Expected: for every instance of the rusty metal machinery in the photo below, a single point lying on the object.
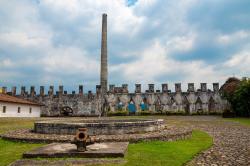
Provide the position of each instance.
(82, 139)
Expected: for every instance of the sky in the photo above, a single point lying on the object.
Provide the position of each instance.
(48, 42)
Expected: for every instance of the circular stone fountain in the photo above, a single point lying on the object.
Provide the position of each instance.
(99, 126)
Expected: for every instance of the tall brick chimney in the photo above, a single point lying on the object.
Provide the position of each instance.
(104, 56)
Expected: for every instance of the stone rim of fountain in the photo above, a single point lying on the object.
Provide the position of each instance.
(99, 126)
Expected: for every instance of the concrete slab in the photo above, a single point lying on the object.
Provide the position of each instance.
(97, 150)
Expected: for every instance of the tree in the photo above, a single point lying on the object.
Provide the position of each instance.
(237, 93)
(241, 99)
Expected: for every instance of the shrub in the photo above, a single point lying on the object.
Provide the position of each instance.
(241, 99)
(228, 114)
(238, 95)
(144, 113)
(118, 113)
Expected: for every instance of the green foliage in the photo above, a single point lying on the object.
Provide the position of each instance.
(244, 121)
(241, 99)
(118, 113)
(11, 151)
(168, 153)
(238, 95)
(179, 112)
(7, 124)
(145, 113)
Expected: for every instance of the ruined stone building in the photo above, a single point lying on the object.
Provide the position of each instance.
(202, 101)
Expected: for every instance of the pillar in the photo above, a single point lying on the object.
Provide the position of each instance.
(216, 87)
(164, 88)
(137, 88)
(80, 89)
(104, 55)
(32, 91)
(178, 87)
(151, 88)
(13, 91)
(41, 90)
(23, 91)
(60, 92)
(190, 87)
(203, 87)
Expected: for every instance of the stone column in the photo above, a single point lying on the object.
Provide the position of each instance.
(41, 90)
(51, 90)
(216, 87)
(60, 90)
(104, 55)
(112, 88)
(203, 87)
(13, 90)
(23, 91)
(32, 91)
(190, 87)
(151, 88)
(137, 88)
(164, 88)
(80, 89)
(177, 87)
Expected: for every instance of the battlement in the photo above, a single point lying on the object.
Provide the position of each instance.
(112, 89)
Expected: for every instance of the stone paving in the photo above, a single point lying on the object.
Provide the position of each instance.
(170, 133)
(231, 145)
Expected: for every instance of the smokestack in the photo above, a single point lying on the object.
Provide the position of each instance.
(104, 56)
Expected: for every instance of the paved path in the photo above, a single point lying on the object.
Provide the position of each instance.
(231, 141)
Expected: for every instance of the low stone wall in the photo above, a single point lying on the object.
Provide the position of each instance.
(100, 126)
(168, 134)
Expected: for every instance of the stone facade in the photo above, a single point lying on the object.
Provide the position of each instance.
(201, 101)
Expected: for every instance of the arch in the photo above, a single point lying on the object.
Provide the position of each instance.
(66, 111)
(198, 105)
(211, 105)
(144, 105)
(158, 106)
(131, 106)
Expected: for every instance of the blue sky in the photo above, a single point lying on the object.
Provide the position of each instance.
(51, 42)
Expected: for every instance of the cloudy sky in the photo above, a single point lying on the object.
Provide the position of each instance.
(49, 42)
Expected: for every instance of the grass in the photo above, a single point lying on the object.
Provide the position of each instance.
(244, 121)
(168, 153)
(11, 151)
(144, 153)
(7, 124)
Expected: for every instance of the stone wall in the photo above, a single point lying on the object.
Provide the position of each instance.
(200, 101)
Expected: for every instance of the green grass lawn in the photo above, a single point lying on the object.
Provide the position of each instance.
(168, 153)
(144, 153)
(11, 151)
(244, 121)
(7, 124)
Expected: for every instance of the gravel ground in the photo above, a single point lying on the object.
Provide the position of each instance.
(231, 145)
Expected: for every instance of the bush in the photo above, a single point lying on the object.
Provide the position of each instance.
(228, 114)
(118, 113)
(238, 95)
(145, 113)
(241, 99)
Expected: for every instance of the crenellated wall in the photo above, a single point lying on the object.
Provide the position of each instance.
(201, 101)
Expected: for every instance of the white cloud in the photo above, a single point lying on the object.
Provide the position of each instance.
(69, 60)
(59, 39)
(154, 63)
(240, 63)
(181, 43)
(233, 38)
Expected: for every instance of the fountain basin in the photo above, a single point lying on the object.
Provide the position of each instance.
(99, 126)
